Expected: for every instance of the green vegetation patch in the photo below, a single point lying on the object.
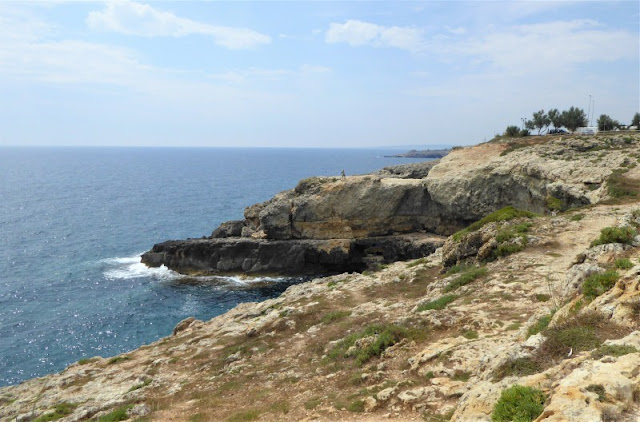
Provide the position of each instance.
(59, 411)
(417, 262)
(598, 389)
(458, 268)
(356, 406)
(470, 334)
(613, 350)
(312, 403)
(280, 406)
(539, 325)
(119, 414)
(576, 217)
(608, 235)
(541, 297)
(623, 263)
(597, 284)
(504, 214)
(437, 304)
(141, 385)
(583, 332)
(335, 316)
(511, 239)
(465, 278)
(249, 415)
(380, 337)
(619, 186)
(554, 204)
(518, 404)
(519, 367)
(118, 359)
(459, 375)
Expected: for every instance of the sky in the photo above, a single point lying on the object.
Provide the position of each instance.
(307, 74)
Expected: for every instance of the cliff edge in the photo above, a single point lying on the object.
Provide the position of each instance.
(330, 225)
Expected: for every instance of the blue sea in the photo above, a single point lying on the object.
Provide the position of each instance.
(74, 221)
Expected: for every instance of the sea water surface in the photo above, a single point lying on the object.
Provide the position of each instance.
(74, 221)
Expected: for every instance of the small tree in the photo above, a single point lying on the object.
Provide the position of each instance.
(555, 118)
(540, 121)
(607, 123)
(636, 121)
(512, 131)
(573, 118)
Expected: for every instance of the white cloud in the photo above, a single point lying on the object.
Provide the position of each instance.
(143, 20)
(359, 33)
(456, 31)
(534, 48)
(308, 68)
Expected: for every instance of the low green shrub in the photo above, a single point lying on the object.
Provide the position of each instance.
(506, 249)
(554, 204)
(246, 416)
(437, 304)
(457, 269)
(576, 217)
(417, 262)
(59, 411)
(519, 367)
(539, 325)
(619, 186)
(518, 403)
(119, 414)
(459, 375)
(583, 332)
(385, 336)
(597, 284)
(335, 316)
(141, 385)
(623, 263)
(598, 389)
(118, 359)
(470, 334)
(356, 406)
(504, 214)
(465, 278)
(624, 235)
(312, 403)
(613, 350)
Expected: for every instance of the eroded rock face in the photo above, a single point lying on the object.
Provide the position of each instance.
(287, 257)
(438, 197)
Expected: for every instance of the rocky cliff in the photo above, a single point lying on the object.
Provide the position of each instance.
(331, 224)
(520, 315)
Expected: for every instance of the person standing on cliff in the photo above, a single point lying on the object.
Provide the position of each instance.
(344, 176)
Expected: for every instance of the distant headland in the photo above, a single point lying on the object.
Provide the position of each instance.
(424, 153)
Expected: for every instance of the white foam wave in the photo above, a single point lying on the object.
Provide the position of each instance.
(241, 281)
(125, 268)
(132, 267)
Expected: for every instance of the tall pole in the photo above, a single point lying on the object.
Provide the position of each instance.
(589, 112)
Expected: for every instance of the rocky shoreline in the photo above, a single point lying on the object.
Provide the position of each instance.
(425, 153)
(536, 287)
(329, 225)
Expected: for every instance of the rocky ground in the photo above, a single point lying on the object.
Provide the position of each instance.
(516, 299)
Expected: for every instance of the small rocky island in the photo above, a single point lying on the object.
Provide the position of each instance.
(501, 282)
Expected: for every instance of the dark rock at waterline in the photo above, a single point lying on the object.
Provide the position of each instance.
(287, 257)
(231, 228)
